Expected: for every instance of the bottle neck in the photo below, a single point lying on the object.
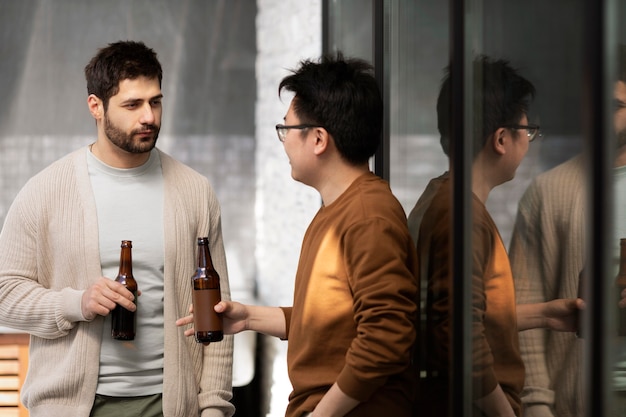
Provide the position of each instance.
(126, 261)
(204, 257)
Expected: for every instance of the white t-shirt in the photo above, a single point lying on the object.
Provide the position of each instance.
(130, 207)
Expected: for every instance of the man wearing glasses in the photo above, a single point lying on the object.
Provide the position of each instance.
(352, 324)
(500, 142)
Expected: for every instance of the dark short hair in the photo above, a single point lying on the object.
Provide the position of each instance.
(341, 95)
(117, 62)
(501, 97)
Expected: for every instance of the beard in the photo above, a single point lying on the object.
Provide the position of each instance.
(125, 141)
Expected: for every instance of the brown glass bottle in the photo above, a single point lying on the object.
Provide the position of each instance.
(620, 281)
(123, 320)
(206, 294)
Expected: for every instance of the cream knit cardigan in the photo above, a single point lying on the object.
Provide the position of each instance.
(49, 255)
(547, 255)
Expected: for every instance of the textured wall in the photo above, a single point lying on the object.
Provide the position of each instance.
(287, 31)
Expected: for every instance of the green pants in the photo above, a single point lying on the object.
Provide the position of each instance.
(148, 406)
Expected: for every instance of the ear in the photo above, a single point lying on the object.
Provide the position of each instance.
(499, 140)
(96, 107)
(322, 140)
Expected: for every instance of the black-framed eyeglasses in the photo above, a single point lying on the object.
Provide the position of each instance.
(533, 131)
(281, 130)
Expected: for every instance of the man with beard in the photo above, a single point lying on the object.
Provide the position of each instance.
(547, 258)
(60, 249)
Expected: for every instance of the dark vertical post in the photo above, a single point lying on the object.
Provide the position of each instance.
(326, 27)
(460, 164)
(598, 148)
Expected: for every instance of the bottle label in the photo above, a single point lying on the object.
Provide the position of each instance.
(204, 316)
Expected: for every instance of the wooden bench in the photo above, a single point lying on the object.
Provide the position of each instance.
(13, 366)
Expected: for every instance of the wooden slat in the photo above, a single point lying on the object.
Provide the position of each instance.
(9, 367)
(11, 412)
(23, 361)
(11, 382)
(9, 398)
(14, 339)
(13, 367)
(9, 351)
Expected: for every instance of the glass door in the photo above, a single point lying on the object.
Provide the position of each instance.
(552, 212)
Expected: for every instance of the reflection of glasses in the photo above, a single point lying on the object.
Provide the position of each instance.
(281, 130)
(531, 130)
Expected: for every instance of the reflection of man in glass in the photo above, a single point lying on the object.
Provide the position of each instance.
(501, 139)
(547, 257)
(619, 191)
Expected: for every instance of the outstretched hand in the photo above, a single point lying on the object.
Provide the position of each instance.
(562, 314)
(234, 316)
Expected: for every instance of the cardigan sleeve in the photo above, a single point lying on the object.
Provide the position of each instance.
(528, 263)
(42, 264)
(547, 254)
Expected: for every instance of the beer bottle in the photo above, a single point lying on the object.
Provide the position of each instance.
(206, 294)
(621, 284)
(123, 320)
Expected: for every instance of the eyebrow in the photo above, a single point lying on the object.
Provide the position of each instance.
(137, 100)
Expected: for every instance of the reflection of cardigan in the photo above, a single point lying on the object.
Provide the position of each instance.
(496, 358)
(354, 311)
(547, 254)
(49, 255)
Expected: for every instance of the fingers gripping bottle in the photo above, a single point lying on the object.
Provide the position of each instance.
(122, 320)
(206, 294)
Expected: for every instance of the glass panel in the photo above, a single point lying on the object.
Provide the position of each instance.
(545, 230)
(540, 216)
(537, 194)
(617, 59)
(418, 55)
(350, 28)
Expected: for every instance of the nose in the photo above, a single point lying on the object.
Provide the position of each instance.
(147, 115)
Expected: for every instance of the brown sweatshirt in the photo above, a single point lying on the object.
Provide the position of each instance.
(353, 315)
(495, 355)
